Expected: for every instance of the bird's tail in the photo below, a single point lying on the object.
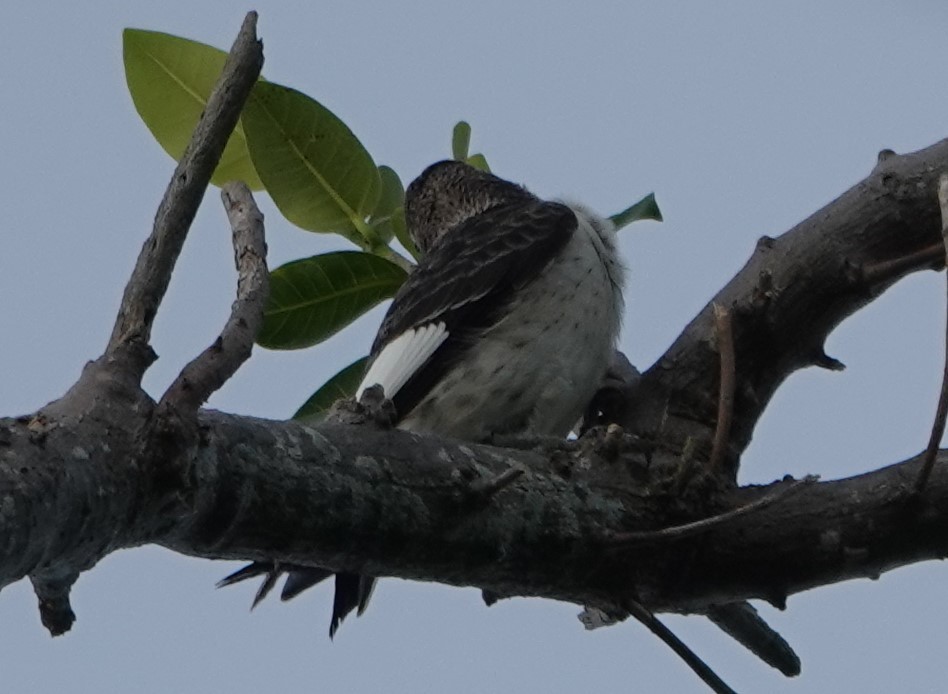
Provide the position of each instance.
(353, 591)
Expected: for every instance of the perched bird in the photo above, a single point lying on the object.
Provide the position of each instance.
(506, 326)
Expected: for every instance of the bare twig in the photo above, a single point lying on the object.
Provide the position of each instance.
(887, 269)
(691, 659)
(724, 332)
(678, 532)
(211, 369)
(825, 361)
(741, 621)
(149, 280)
(938, 427)
(484, 488)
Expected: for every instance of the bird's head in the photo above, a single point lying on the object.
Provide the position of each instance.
(449, 192)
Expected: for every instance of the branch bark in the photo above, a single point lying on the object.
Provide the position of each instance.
(389, 503)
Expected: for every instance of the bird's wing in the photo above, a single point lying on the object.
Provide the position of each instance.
(403, 356)
(460, 288)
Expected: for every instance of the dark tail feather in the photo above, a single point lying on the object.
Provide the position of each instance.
(740, 621)
(366, 586)
(352, 591)
(268, 582)
(269, 570)
(345, 600)
(300, 579)
(258, 568)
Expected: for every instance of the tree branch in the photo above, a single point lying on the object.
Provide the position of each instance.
(386, 503)
(793, 291)
(938, 426)
(146, 287)
(724, 334)
(698, 666)
(211, 369)
(677, 532)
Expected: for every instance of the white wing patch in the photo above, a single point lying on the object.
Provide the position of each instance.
(402, 357)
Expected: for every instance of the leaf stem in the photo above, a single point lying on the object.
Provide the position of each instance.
(385, 251)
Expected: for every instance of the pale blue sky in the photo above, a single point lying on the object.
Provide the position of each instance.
(743, 117)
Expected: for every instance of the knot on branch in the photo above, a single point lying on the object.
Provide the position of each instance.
(371, 408)
(53, 594)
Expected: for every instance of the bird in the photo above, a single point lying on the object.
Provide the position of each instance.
(505, 327)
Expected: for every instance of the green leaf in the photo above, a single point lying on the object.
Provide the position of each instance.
(646, 208)
(391, 199)
(318, 173)
(313, 298)
(392, 193)
(342, 385)
(401, 233)
(461, 141)
(170, 80)
(479, 161)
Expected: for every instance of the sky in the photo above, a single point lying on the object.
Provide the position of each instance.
(743, 117)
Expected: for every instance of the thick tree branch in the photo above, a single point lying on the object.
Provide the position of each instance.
(211, 369)
(152, 273)
(785, 301)
(392, 504)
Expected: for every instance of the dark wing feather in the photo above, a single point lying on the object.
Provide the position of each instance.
(467, 280)
(300, 578)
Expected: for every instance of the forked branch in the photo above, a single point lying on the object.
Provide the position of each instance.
(211, 369)
(149, 281)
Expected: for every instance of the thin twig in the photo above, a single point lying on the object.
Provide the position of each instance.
(724, 332)
(485, 488)
(938, 427)
(149, 280)
(742, 622)
(700, 668)
(211, 369)
(678, 532)
(890, 269)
